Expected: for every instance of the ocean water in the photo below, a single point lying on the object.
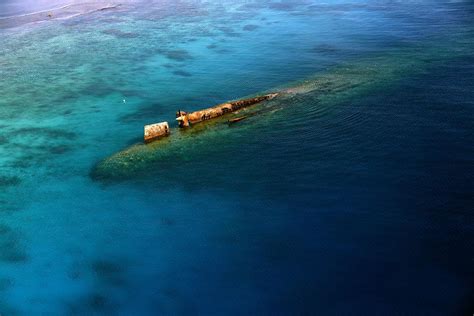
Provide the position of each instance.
(350, 195)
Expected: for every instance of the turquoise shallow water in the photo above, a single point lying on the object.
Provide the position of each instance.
(351, 196)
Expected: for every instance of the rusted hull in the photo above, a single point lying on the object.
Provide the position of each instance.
(155, 131)
(186, 119)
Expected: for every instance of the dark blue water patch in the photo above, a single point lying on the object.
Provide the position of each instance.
(98, 302)
(46, 132)
(3, 140)
(59, 51)
(109, 272)
(120, 34)
(168, 222)
(74, 274)
(5, 284)
(250, 27)
(26, 160)
(20, 163)
(7, 308)
(109, 276)
(6, 207)
(94, 303)
(36, 152)
(211, 46)
(59, 149)
(11, 251)
(175, 54)
(9, 181)
(182, 73)
(99, 89)
(228, 31)
(223, 51)
(325, 49)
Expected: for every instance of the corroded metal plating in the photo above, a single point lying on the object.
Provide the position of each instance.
(186, 119)
(155, 131)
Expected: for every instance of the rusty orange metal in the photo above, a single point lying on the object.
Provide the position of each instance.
(155, 131)
(186, 119)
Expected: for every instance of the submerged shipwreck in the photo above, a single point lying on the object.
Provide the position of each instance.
(165, 143)
(182, 145)
(156, 131)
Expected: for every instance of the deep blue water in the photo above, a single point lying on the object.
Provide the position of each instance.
(351, 196)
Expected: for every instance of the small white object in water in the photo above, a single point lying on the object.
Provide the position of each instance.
(124, 101)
